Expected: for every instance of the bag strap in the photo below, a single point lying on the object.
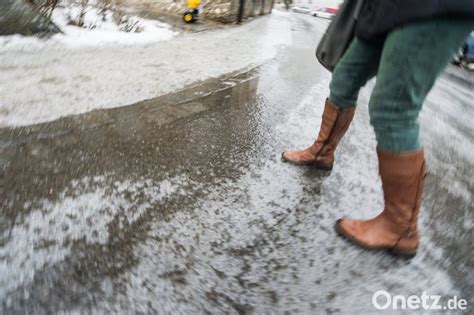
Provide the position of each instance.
(358, 8)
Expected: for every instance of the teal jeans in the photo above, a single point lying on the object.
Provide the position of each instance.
(406, 66)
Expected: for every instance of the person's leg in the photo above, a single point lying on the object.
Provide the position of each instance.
(355, 68)
(412, 58)
(358, 65)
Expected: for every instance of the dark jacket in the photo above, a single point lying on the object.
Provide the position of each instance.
(378, 17)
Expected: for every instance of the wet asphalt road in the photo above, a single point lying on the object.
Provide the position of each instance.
(181, 204)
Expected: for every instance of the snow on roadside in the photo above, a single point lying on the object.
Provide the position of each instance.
(99, 29)
(43, 85)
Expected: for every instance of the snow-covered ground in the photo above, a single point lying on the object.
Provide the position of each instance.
(103, 29)
(99, 28)
(49, 81)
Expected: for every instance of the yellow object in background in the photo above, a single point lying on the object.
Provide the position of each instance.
(193, 4)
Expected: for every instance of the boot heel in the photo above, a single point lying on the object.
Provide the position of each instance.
(323, 167)
(403, 252)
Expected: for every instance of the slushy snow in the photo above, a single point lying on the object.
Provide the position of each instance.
(48, 82)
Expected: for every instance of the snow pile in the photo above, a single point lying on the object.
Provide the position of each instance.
(98, 27)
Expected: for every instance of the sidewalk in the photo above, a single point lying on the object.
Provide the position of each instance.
(47, 82)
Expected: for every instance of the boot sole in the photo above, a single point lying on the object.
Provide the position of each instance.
(319, 166)
(404, 253)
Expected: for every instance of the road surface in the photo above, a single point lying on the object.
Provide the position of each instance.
(181, 203)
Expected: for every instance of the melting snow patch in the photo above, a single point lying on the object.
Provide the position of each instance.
(47, 232)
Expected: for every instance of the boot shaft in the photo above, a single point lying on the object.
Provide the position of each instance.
(402, 182)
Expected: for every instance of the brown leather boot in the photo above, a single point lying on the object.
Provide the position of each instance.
(321, 153)
(396, 227)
